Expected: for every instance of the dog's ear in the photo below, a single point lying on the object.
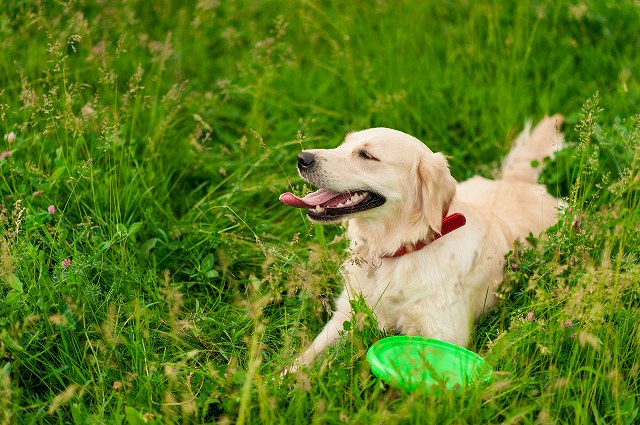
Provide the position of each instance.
(435, 189)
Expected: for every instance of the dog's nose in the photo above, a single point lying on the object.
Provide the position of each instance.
(306, 160)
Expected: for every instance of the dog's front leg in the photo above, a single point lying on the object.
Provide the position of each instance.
(451, 324)
(329, 334)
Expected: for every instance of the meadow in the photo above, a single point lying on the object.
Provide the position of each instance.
(149, 274)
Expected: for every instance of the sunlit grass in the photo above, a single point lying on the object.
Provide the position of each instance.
(149, 275)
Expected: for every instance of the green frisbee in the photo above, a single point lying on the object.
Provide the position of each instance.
(414, 362)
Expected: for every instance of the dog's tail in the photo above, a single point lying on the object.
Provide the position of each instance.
(530, 146)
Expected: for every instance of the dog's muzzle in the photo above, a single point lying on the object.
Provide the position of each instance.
(328, 204)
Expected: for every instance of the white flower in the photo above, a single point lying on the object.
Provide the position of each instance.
(10, 137)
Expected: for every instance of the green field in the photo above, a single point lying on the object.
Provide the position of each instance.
(150, 275)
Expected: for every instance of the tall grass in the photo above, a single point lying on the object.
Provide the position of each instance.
(149, 274)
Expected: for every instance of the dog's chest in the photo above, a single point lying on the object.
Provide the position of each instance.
(400, 290)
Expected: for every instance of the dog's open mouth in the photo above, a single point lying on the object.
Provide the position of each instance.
(325, 205)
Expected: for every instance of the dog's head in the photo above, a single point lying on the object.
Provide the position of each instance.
(378, 174)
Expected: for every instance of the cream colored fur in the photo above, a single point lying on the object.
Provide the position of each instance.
(440, 290)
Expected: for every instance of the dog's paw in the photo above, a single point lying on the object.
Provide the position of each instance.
(295, 377)
(293, 368)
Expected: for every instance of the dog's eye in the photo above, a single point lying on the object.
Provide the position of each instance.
(366, 155)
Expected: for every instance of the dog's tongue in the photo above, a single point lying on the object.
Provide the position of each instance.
(318, 197)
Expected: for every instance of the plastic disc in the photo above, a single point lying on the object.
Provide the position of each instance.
(415, 362)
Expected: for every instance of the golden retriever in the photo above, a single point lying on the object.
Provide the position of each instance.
(427, 253)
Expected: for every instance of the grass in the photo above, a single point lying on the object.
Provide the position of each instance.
(169, 285)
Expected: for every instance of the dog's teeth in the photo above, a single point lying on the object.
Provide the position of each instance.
(349, 202)
(340, 205)
(319, 209)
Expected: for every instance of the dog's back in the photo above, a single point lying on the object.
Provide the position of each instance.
(517, 198)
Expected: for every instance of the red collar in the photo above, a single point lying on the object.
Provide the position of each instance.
(449, 224)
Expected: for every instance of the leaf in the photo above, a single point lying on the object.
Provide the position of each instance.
(121, 229)
(76, 414)
(149, 245)
(9, 342)
(319, 235)
(104, 246)
(133, 416)
(101, 249)
(59, 172)
(207, 263)
(212, 273)
(134, 228)
(14, 299)
(16, 284)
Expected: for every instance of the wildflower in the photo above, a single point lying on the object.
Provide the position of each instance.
(52, 209)
(66, 263)
(530, 317)
(5, 154)
(567, 324)
(514, 266)
(10, 137)
(577, 223)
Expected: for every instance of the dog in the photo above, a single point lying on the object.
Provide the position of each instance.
(427, 254)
